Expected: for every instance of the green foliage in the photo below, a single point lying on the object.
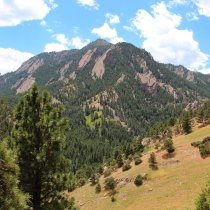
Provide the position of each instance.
(169, 145)
(186, 123)
(98, 188)
(204, 146)
(11, 197)
(152, 161)
(113, 199)
(203, 201)
(110, 183)
(39, 133)
(137, 161)
(138, 180)
(94, 179)
(126, 167)
(107, 172)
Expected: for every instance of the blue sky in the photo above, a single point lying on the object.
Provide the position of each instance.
(173, 31)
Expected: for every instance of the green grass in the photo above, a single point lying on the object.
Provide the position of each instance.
(175, 186)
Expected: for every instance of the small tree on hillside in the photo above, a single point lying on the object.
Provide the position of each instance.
(39, 132)
(186, 123)
(98, 188)
(169, 146)
(110, 184)
(152, 161)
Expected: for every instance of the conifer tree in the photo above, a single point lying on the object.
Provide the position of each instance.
(186, 124)
(11, 197)
(39, 133)
(169, 146)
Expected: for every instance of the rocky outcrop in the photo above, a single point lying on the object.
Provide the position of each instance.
(99, 68)
(86, 58)
(25, 85)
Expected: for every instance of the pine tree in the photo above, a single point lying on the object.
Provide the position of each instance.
(98, 188)
(186, 124)
(169, 146)
(152, 161)
(39, 132)
(11, 197)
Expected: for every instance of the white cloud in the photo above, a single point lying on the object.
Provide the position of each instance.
(89, 3)
(165, 41)
(79, 43)
(203, 7)
(15, 12)
(11, 59)
(192, 16)
(106, 32)
(63, 43)
(112, 19)
(205, 71)
(51, 47)
(43, 23)
(177, 2)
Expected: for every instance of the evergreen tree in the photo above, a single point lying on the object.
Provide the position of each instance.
(138, 180)
(98, 188)
(152, 161)
(186, 123)
(11, 197)
(39, 132)
(169, 146)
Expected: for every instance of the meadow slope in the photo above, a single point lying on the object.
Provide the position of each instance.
(174, 186)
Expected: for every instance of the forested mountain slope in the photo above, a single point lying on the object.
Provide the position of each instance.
(111, 93)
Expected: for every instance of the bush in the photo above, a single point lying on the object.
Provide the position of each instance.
(126, 167)
(169, 146)
(110, 183)
(138, 161)
(152, 161)
(138, 180)
(204, 150)
(113, 199)
(203, 201)
(98, 188)
(196, 143)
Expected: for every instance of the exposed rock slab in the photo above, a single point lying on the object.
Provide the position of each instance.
(25, 85)
(99, 68)
(86, 58)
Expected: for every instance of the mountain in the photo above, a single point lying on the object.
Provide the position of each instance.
(111, 93)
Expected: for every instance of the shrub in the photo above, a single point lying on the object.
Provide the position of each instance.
(110, 183)
(138, 161)
(98, 188)
(152, 161)
(196, 143)
(113, 199)
(204, 150)
(126, 167)
(203, 201)
(169, 146)
(138, 180)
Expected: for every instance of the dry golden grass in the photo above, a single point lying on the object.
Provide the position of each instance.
(174, 186)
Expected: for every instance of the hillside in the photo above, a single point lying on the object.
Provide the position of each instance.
(174, 186)
(111, 94)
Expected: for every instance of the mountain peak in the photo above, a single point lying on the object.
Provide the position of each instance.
(98, 43)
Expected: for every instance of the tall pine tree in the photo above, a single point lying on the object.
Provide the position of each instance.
(39, 132)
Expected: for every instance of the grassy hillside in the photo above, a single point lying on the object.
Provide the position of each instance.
(174, 186)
